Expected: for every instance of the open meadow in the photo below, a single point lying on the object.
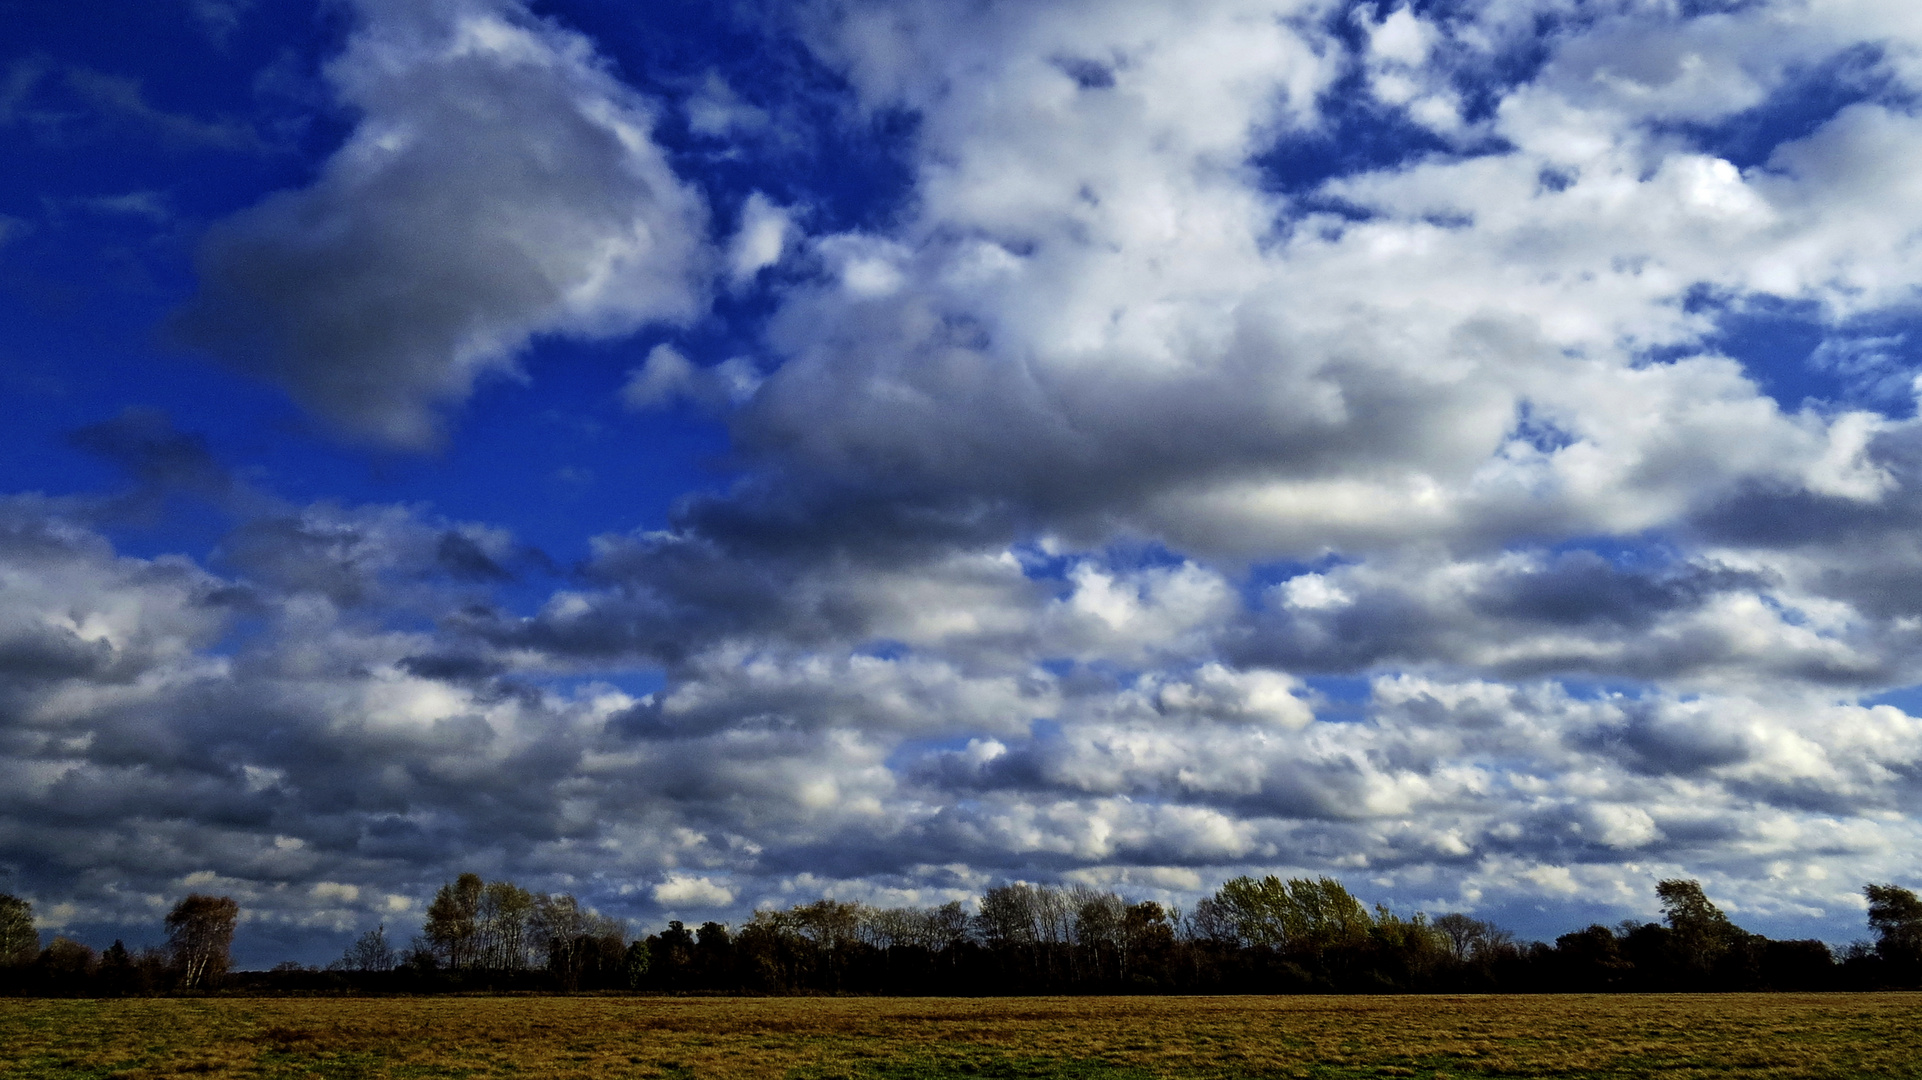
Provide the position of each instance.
(1774, 1035)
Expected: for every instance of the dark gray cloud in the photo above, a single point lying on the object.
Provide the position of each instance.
(1581, 587)
(464, 560)
(145, 444)
(500, 184)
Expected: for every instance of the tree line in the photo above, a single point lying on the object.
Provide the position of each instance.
(1266, 935)
(1305, 935)
(198, 953)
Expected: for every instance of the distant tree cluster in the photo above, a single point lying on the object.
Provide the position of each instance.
(495, 929)
(200, 935)
(1251, 936)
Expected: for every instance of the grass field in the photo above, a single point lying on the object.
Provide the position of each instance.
(1831, 1035)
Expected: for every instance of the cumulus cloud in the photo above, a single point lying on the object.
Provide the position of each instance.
(501, 183)
(682, 890)
(1141, 334)
(666, 376)
(333, 762)
(1133, 507)
(764, 234)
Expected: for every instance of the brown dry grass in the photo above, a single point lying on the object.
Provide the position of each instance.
(1774, 1036)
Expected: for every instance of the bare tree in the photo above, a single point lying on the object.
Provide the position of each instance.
(1469, 937)
(575, 939)
(1054, 911)
(1007, 914)
(894, 928)
(200, 935)
(370, 953)
(1211, 920)
(949, 924)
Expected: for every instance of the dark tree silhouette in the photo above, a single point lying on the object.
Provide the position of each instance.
(1263, 936)
(1895, 914)
(1702, 939)
(370, 952)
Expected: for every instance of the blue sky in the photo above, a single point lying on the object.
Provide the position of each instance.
(701, 456)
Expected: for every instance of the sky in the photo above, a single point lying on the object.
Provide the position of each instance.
(705, 456)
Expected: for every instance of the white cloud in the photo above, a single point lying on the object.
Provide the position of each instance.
(335, 891)
(1216, 692)
(664, 376)
(684, 890)
(1152, 352)
(763, 236)
(667, 376)
(715, 110)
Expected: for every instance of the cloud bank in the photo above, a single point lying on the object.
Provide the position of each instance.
(1177, 487)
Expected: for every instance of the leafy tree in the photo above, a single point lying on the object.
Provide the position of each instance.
(671, 955)
(1259, 911)
(1689, 912)
(1300, 915)
(1590, 959)
(1895, 914)
(200, 935)
(452, 924)
(1145, 931)
(1699, 933)
(481, 925)
(120, 972)
(1404, 951)
(504, 927)
(67, 966)
(19, 941)
(830, 924)
(116, 957)
(1146, 925)
(636, 963)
